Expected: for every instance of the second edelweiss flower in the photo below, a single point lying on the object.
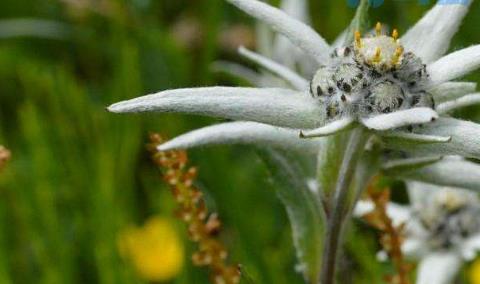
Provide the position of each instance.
(387, 84)
(441, 226)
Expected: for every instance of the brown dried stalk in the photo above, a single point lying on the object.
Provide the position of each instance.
(5, 156)
(391, 236)
(203, 227)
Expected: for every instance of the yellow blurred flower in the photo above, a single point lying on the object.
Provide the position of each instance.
(474, 272)
(155, 250)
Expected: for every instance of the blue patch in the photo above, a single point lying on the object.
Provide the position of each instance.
(378, 3)
(373, 3)
(453, 2)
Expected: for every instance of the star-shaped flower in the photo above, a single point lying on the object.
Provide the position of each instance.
(441, 226)
(383, 83)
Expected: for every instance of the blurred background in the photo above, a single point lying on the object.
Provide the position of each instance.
(80, 181)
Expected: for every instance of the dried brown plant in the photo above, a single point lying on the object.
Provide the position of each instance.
(203, 227)
(391, 236)
(5, 156)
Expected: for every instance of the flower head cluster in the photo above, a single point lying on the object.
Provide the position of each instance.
(449, 218)
(371, 77)
(442, 229)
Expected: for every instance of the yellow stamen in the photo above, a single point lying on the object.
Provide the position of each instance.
(398, 54)
(395, 34)
(378, 55)
(378, 29)
(358, 39)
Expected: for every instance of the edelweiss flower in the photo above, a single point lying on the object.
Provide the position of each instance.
(395, 87)
(442, 229)
(384, 83)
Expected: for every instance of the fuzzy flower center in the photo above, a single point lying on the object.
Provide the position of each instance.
(372, 76)
(450, 218)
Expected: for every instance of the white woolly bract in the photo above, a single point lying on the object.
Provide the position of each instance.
(299, 33)
(250, 133)
(280, 107)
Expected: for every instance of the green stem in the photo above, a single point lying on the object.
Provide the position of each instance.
(339, 205)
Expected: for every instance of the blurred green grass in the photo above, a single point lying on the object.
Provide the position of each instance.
(79, 174)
